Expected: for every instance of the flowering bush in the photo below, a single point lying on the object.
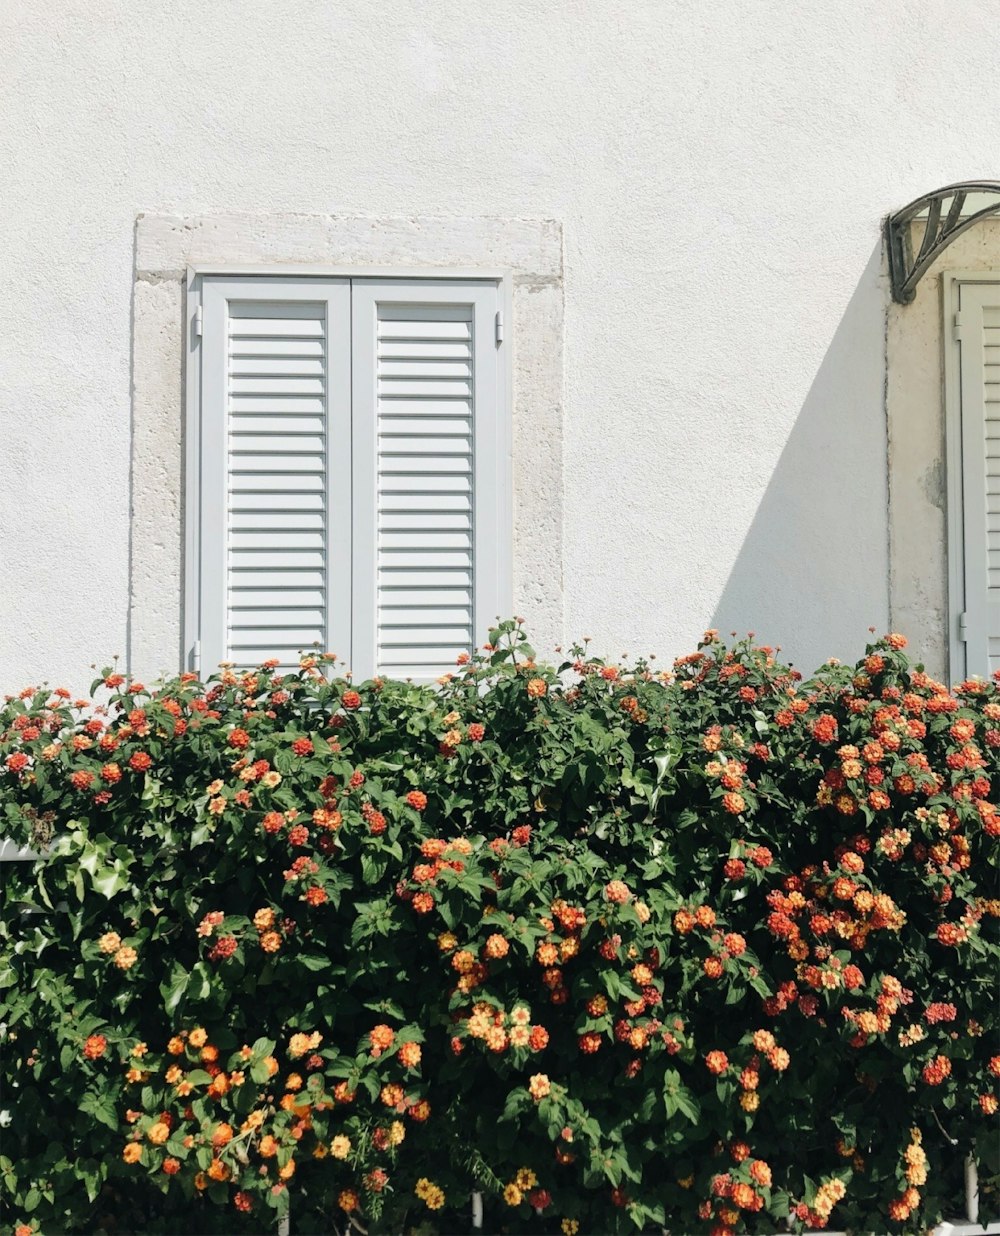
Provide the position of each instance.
(616, 948)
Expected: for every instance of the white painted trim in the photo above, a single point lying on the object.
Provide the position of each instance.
(505, 442)
(191, 478)
(950, 283)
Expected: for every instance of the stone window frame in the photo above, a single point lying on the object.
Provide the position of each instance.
(172, 250)
(922, 587)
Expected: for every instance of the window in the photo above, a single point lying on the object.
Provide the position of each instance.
(973, 446)
(348, 470)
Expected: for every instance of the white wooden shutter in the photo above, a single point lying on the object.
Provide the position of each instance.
(275, 469)
(979, 335)
(353, 486)
(431, 473)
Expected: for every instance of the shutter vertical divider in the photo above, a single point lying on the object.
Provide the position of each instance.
(364, 441)
(339, 474)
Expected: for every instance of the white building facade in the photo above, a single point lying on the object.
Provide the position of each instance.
(361, 324)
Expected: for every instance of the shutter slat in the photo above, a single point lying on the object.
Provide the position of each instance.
(243, 329)
(275, 347)
(246, 616)
(393, 426)
(403, 484)
(276, 559)
(393, 634)
(273, 520)
(242, 444)
(278, 404)
(267, 598)
(410, 574)
(425, 367)
(406, 599)
(294, 540)
(423, 616)
(420, 350)
(306, 503)
(424, 521)
(251, 365)
(395, 502)
(276, 386)
(265, 422)
(423, 662)
(417, 330)
(275, 579)
(397, 466)
(288, 460)
(423, 558)
(424, 538)
(430, 388)
(275, 483)
(437, 447)
(417, 407)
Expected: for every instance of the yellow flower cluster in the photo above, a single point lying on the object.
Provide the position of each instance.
(524, 1180)
(828, 1195)
(299, 1044)
(429, 1193)
(916, 1160)
(122, 955)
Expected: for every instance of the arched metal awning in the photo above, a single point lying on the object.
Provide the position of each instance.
(945, 214)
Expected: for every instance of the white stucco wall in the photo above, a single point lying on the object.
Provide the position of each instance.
(719, 173)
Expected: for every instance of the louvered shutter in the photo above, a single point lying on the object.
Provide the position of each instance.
(979, 334)
(431, 468)
(275, 469)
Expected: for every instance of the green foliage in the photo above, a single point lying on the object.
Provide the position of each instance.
(618, 949)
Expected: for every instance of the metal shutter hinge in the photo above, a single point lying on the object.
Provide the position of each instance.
(963, 627)
(957, 329)
(499, 327)
(196, 656)
(197, 322)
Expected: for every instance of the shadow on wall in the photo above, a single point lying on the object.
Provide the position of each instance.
(812, 573)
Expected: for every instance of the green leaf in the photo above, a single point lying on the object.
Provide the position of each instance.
(172, 989)
(312, 961)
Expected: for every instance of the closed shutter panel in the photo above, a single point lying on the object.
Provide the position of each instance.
(354, 472)
(430, 474)
(980, 445)
(275, 470)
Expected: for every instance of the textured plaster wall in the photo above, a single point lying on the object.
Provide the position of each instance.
(916, 342)
(719, 173)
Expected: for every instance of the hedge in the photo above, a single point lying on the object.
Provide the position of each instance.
(617, 948)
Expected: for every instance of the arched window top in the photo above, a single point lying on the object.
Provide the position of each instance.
(945, 214)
